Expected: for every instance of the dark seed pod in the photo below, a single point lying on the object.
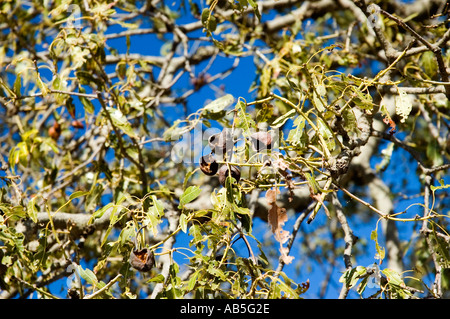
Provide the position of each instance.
(208, 165)
(73, 293)
(142, 260)
(261, 141)
(223, 173)
(221, 142)
(54, 131)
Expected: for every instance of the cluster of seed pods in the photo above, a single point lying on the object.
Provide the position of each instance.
(222, 143)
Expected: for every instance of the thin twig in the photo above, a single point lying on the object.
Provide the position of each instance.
(437, 287)
(40, 94)
(435, 48)
(40, 290)
(348, 238)
(106, 287)
(383, 215)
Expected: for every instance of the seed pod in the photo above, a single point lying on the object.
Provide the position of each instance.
(142, 260)
(73, 293)
(221, 142)
(261, 141)
(208, 165)
(77, 124)
(223, 173)
(55, 131)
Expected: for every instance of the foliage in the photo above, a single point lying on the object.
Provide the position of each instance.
(101, 141)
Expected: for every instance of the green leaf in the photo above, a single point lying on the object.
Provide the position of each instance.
(99, 213)
(265, 78)
(93, 197)
(351, 276)
(189, 195)
(205, 15)
(18, 85)
(362, 286)
(350, 124)
(174, 132)
(393, 277)
(396, 284)
(363, 100)
(243, 120)
(319, 94)
(153, 218)
(434, 154)
(295, 135)
(327, 134)
(255, 8)
(88, 106)
(265, 113)
(127, 233)
(219, 104)
(312, 183)
(88, 275)
(208, 20)
(183, 222)
(78, 194)
(442, 185)
(6, 87)
(283, 118)
(216, 272)
(241, 210)
(157, 279)
(159, 207)
(285, 286)
(119, 120)
(428, 61)
(44, 89)
(193, 280)
(32, 210)
(196, 233)
(380, 250)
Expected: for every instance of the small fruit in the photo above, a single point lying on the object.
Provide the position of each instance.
(77, 124)
(223, 173)
(221, 142)
(142, 260)
(208, 165)
(261, 141)
(55, 131)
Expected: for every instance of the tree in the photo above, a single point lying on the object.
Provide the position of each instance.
(131, 167)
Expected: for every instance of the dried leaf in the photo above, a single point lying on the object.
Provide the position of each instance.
(276, 217)
(271, 196)
(284, 256)
(282, 166)
(403, 105)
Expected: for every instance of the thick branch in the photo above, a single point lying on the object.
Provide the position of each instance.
(77, 223)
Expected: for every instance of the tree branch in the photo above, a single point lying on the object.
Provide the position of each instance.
(349, 239)
(436, 49)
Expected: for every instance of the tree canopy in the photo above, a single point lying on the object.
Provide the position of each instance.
(224, 149)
